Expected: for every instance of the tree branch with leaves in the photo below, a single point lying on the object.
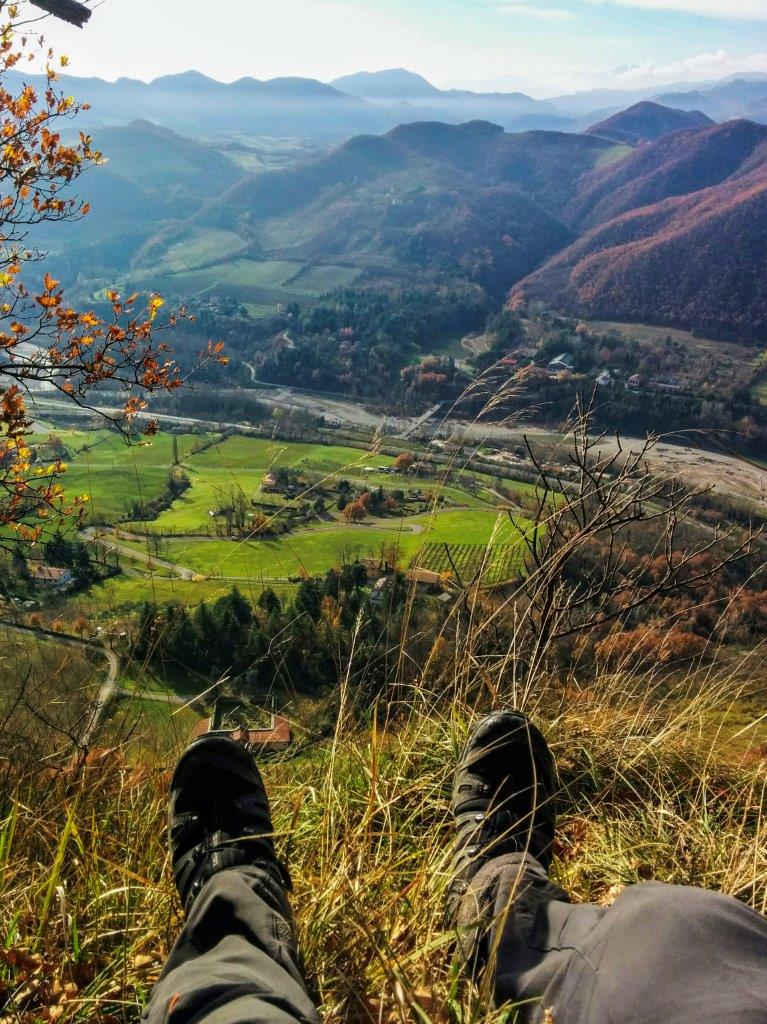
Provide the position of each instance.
(44, 340)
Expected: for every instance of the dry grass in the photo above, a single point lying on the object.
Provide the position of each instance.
(651, 788)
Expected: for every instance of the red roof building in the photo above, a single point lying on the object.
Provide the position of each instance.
(276, 736)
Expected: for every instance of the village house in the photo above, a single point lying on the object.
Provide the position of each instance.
(374, 567)
(274, 737)
(563, 362)
(667, 385)
(424, 578)
(51, 576)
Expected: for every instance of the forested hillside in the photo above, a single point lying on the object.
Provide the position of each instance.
(647, 121)
(678, 237)
(469, 201)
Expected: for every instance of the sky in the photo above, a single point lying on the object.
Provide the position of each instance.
(545, 47)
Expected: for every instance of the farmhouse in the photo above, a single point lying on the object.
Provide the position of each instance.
(424, 577)
(274, 737)
(269, 485)
(50, 576)
(564, 361)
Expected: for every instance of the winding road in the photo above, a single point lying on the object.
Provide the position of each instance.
(108, 689)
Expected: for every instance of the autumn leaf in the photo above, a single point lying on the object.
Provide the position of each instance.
(155, 303)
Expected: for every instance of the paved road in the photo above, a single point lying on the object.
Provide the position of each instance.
(107, 540)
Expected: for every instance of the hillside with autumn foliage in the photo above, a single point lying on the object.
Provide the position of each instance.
(675, 234)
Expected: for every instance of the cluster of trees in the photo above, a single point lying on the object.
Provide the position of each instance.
(305, 645)
(433, 376)
(356, 340)
(177, 483)
(371, 503)
(65, 553)
(721, 604)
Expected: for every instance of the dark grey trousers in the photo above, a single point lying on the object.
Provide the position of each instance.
(661, 954)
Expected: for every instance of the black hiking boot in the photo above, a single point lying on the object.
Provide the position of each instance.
(219, 816)
(503, 798)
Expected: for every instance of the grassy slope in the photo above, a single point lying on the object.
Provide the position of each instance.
(650, 789)
(114, 474)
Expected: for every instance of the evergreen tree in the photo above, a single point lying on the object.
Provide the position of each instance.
(269, 602)
(181, 640)
(241, 607)
(308, 600)
(206, 628)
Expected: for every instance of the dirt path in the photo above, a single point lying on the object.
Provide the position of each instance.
(108, 689)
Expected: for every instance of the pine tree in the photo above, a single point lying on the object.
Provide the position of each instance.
(269, 602)
(206, 628)
(240, 606)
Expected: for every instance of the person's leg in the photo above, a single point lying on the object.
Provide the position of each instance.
(658, 953)
(235, 961)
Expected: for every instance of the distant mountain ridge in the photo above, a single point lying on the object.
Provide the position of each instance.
(366, 102)
(654, 214)
(647, 121)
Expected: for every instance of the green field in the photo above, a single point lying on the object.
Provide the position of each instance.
(112, 473)
(317, 549)
(210, 262)
(239, 465)
(181, 555)
(201, 246)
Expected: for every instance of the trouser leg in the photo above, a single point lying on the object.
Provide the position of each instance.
(666, 953)
(235, 961)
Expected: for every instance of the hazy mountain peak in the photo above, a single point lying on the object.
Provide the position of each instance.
(185, 80)
(393, 84)
(647, 121)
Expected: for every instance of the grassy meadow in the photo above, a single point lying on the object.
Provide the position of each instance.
(214, 262)
(653, 786)
(180, 553)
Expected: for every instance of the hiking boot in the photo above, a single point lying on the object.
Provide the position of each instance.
(219, 816)
(503, 798)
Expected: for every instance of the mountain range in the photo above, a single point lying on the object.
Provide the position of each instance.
(674, 234)
(654, 213)
(671, 229)
(193, 104)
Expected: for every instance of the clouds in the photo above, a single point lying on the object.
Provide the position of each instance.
(750, 9)
(525, 10)
(700, 68)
